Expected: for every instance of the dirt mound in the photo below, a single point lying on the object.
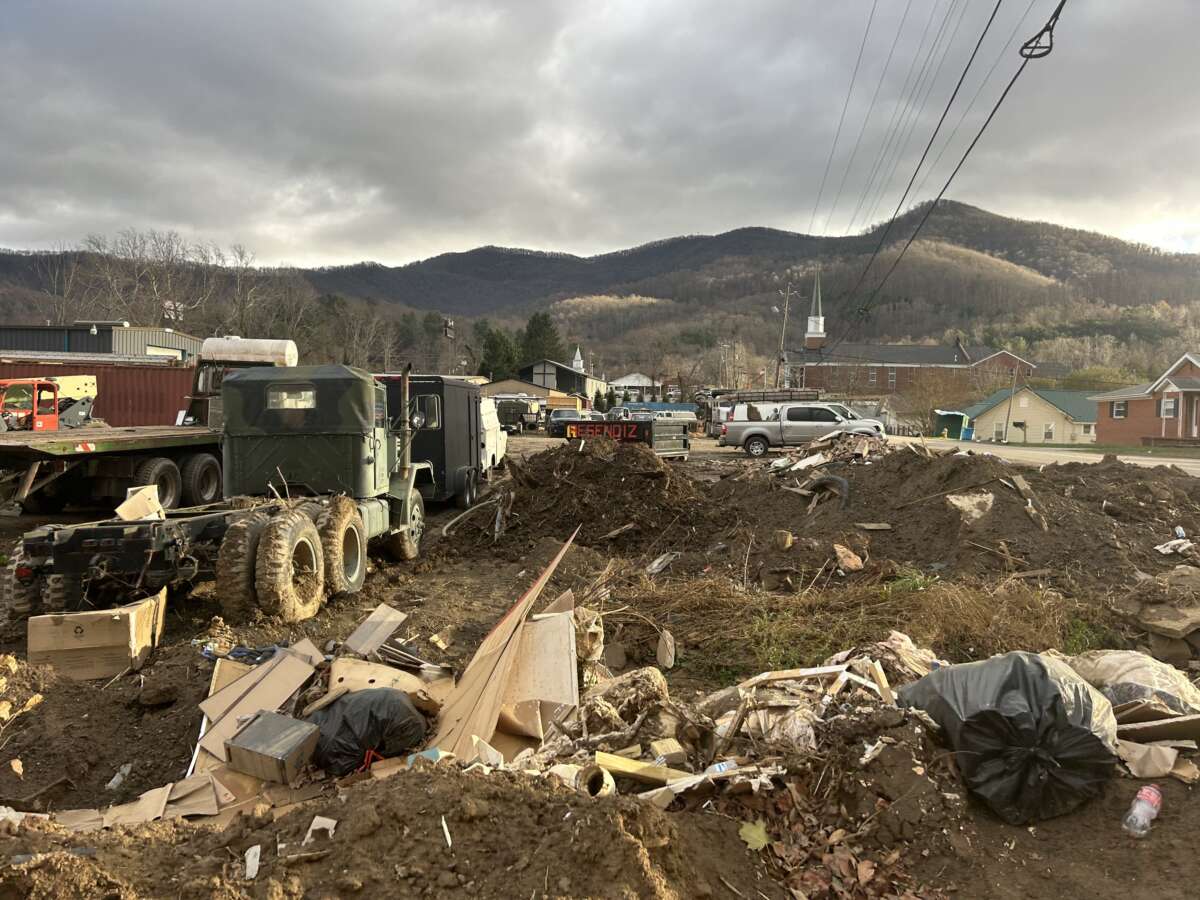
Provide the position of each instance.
(84, 731)
(1102, 521)
(622, 495)
(511, 837)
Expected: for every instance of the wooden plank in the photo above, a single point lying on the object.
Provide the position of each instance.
(792, 675)
(881, 681)
(637, 770)
(873, 526)
(1024, 489)
(1176, 729)
(375, 629)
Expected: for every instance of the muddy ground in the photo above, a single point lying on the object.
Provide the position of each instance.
(516, 838)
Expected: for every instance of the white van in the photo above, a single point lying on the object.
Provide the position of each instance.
(493, 440)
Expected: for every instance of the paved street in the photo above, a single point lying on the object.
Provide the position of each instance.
(1035, 456)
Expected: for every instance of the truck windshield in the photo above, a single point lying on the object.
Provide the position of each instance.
(292, 396)
(18, 397)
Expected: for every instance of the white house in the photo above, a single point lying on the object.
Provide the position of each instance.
(636, 383)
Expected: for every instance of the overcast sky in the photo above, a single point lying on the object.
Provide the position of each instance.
(317, 132)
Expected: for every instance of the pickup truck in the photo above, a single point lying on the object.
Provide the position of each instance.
(794, 424)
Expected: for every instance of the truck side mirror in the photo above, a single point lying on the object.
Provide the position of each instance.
(417, 420)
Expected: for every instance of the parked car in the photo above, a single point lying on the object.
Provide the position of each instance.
(555, 426)
(493, 442)
(793, 424)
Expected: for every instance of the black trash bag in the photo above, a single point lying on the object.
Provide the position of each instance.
(379, 719)
(1031, 738)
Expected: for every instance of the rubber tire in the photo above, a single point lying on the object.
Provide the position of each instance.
(163, 472)
(314, 509)
(17, 600)
(61, 593)
(339, 522)
(470, 492)
(406, 545)
(280, 592)
(198, 469)
(236, 562)
(756, 447)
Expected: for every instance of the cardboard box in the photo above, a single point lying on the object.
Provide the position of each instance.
(272, 747)
(100, 643)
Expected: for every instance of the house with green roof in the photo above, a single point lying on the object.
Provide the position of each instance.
(1035, 416)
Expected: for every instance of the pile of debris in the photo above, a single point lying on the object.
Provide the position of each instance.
(623, 494)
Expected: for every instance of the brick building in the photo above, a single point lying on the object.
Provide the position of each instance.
(882, 369)
(1164, 410)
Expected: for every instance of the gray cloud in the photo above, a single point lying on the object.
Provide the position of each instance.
(320, 133)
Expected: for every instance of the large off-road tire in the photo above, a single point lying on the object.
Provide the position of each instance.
(290, 570)
(465, 498)
(201, 474)
(17, 600)
(314, 509)
(756, 446)
(62, 593)
(159, 470)
(344, 544)
(406, 545)
(236, 562)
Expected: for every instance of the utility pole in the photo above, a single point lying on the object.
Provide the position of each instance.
(1012, 393)
(782, 359)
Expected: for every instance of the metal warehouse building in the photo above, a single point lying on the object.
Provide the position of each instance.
(109, 338)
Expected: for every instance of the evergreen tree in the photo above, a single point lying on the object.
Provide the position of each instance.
(541, 340)
(611, 399)
(598, 402)
(499, 359)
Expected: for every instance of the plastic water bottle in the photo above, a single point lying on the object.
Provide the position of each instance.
(1145, 808)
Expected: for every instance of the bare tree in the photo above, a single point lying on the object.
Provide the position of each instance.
(68, 292)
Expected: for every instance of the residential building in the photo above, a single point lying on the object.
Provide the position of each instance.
(115, 338)
(1164, 410)
(1035, 416)
(877, 370)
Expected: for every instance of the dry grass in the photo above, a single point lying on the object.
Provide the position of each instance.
(724, 630)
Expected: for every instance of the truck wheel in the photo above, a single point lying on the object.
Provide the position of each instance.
(17, 599)
(289, 574)
(407, 544)
(756, 446)
(236, 561)
(344, 543)
(201, 474)
(61, 593)
(466, 498)
(160, 471)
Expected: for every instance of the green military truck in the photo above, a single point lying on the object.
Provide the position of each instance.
(315, 466)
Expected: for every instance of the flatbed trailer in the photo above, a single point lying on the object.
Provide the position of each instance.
(666, 438)
(42, 471)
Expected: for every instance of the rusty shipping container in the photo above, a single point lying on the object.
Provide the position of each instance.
(126, 394)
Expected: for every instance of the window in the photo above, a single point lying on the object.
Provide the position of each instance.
(292, 396)
(1048, 431)
(1087, 429)
(1023, 402)
(1166, 408)
(430, 406)
(45, 403)
(1116, 409)
(820, 414)
(872, 376)
(799, 414)
(19, 397)
(891, 378)
(998, 431)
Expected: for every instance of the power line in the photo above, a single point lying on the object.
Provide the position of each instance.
(867, 117)
(918, 114)
(842, 118)
(979, 90)
(921, 161)
(1034, 48)
(901, 103)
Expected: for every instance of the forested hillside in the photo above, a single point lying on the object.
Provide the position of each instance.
(1066, 295)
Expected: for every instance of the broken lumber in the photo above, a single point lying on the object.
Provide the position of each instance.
(637, 770)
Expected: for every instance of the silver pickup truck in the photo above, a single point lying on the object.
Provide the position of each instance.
(793, 424)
